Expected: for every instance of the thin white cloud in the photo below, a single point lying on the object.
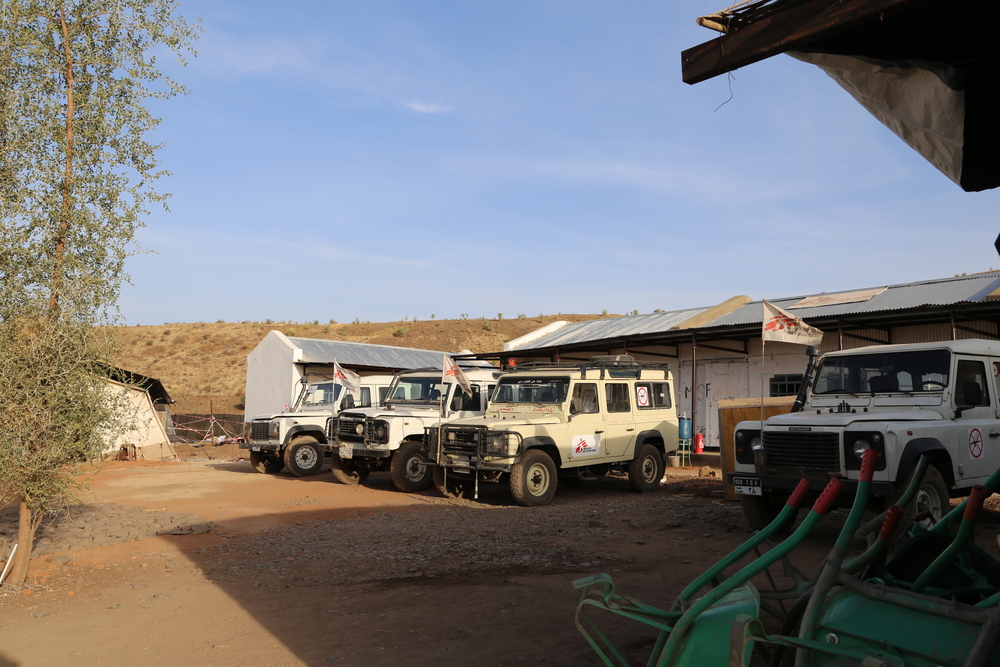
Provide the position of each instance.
(428, 108)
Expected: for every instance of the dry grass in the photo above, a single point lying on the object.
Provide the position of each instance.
(203, 365)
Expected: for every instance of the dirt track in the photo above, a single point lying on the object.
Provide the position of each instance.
(309, 572)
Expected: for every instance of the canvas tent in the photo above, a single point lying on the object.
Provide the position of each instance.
(925, 68)
(148, 434)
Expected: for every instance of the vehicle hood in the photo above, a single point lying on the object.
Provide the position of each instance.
(268, 416)
(845, 418)
(383, 413)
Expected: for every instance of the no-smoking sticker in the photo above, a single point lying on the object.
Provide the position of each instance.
(996, 369)
(642, 396)
(975, 443)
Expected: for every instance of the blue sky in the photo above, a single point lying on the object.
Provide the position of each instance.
(382, 159)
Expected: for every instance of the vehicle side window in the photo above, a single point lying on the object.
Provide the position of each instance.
(470, 403)
(584, 399)
(617, 397)
(489, 392)
(366, 397)
(971, 373)
(382, 393)
(652, 395)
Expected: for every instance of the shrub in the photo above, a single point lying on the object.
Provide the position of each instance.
(400, 332)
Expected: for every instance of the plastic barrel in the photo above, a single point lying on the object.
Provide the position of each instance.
(684, 428)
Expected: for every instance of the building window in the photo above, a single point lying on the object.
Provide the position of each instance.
(786, 385)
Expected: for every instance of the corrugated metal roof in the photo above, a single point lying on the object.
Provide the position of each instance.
(319, 351)
(943, 292)
(617, 327)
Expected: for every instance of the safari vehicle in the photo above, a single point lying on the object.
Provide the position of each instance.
(569, 422)
(296, 438)
(935, 399)
(392, 436)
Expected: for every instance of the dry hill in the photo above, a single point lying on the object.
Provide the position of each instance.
(203, 366)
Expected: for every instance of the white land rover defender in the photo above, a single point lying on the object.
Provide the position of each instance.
(565, 421)
(297, 438)
(392, 436)
(937, 399)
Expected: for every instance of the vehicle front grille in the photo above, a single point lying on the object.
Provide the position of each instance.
(461, 440)
(802, 451)
(258, 430)
(347, 430)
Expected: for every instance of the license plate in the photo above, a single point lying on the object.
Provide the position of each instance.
(256, 449)
(346, 453)
(747, 486)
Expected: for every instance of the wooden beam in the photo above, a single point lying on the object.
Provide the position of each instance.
(791, 28)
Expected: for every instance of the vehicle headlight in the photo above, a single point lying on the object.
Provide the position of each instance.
(756, 444)
(274, 429)
(859, 447)
(496, 444)
(360, 429)
(380, 430)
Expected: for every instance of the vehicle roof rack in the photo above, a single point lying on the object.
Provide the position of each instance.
(618, 365)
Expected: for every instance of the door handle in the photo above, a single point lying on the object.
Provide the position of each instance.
(995, 435)
(632, 429)
(598, 431)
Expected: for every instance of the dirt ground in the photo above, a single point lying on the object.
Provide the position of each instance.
(310, 572)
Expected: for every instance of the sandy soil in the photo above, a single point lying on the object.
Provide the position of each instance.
(309, 572)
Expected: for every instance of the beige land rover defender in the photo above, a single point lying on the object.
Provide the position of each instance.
(569, 422)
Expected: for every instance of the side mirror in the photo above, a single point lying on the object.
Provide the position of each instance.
(973, 398)
(973, 393)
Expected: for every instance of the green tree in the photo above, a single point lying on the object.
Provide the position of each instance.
(76, 177)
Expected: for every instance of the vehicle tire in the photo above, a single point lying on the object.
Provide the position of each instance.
(266, 463)
(533, 479)
(409, 472)
(931, 495)
(455, 488)
(348, 472)
(304, 456)
(760, 511)
(646, 470)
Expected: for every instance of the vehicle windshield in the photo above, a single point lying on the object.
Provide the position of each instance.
(418, 390)
(527, 389)
(881, 372)
(321, 393)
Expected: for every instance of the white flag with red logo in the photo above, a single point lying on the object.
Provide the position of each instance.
(780, 325)
(348, 379)
(452, 373)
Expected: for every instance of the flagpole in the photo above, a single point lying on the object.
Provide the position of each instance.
(762, 381)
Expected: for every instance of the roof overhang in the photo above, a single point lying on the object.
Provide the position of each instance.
(924, 68)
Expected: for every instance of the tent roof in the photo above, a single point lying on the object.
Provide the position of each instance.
(367, 355)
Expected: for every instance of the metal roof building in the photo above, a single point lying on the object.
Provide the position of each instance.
(718, 350)
(279, 362)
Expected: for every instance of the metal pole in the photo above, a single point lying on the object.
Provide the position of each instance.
(694, 382)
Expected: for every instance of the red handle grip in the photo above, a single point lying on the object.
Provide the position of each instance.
(976, 498)
(868, 465)
(799, 493)
(889, 525)
(825, 500)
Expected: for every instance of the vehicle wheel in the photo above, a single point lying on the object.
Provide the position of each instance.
(931, 495)
(409, 473)
(646, 470)
(760, 511)
(348, 472)
(265, 463)
(304, 457)
(533, 479)
(456, 487)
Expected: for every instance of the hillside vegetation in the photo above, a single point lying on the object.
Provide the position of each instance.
(203, 365)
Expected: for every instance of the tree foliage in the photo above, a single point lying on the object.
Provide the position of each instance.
(77, 170)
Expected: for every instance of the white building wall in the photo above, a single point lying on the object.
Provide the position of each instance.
(272, 375)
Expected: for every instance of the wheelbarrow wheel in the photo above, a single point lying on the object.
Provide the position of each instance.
(760, 511)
